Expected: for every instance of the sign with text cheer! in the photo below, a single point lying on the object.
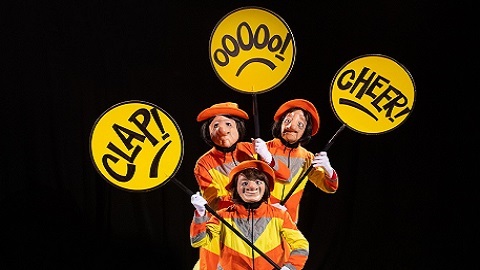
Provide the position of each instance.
(136, 146)
(372, 94)
(252, 50)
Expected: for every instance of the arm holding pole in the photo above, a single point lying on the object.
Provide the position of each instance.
(304, 175)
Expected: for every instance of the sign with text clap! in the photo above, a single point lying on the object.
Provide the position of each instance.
(372, 94)
(252, 50)
(136, 146)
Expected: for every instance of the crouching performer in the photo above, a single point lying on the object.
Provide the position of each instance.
(267, 227)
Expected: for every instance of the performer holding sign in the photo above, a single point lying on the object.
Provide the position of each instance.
(296, 121)
(223, 128)
(266, 226)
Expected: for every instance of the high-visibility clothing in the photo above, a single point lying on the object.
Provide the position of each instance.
(298, 161)
(212, 169)
(211, 172)
(267, 228)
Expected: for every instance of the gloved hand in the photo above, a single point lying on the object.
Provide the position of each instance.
(321, 159)
(284, 268)
(279, 206)
(261, 149)
(199, 203)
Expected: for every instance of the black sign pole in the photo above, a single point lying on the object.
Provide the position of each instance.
(256, 120)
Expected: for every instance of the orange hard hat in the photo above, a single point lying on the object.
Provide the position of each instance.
(255, 164)
(302, 104)
(229, 108)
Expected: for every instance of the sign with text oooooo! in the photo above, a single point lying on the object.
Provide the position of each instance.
(372, 94)
(136, 146)
(252, 50)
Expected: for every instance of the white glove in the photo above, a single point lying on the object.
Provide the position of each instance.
(321, 160)
(199, 203)
(284, 268)
(261, 149)
(279, 206)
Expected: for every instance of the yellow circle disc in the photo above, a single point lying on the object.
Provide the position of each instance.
(372, 94)
(252, 50)
(136, 146)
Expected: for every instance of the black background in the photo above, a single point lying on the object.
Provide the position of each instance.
(403, 202)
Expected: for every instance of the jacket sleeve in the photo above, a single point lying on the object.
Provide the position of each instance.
(320, 178)
(198, 230)
(299, 245)
(203, 230)
(213, 191)
(282, 172)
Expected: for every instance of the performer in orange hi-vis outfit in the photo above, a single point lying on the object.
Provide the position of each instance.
(296, 121)
(223, 128)
(265, 226)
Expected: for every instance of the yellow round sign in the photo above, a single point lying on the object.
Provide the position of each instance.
(252, 50)
(136, 146)
(372, 94)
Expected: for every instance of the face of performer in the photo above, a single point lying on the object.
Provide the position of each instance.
(293, 126)
(250, 190)
(223, 131)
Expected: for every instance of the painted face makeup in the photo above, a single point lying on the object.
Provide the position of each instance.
(250, 190)
(223, 131)
(293, 126)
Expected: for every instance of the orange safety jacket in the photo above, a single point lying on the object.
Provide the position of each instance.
(211, 172)
(268, 228)
(298, 161)
(212, 169)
